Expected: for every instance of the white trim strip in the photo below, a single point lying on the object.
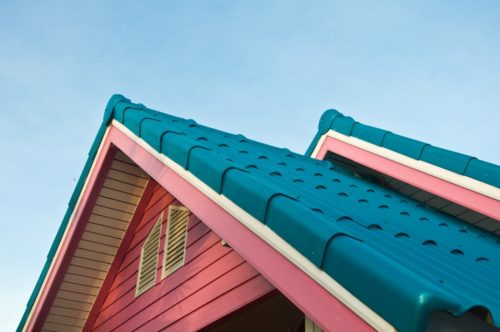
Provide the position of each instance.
(318, 146)
(266, 234)
(436, 171)
(68, 226)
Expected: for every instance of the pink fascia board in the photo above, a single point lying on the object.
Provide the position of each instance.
(71, 239)
(316, 302)
(468, 198)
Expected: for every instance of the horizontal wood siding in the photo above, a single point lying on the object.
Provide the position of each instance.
(106, 226)
(213, 282)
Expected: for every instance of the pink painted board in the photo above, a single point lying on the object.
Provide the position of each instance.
(448, 190)
(70, 242)
(310, 297)
(249, 292)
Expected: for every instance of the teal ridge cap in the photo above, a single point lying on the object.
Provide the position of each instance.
(110, 107)
(450, 160)
(324, 124)
(336, 220)
(326, 120)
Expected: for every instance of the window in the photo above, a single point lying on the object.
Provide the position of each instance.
(149, 259)
(175, 243)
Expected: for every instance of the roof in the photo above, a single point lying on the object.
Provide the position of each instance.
(450, 160)
(417, 259)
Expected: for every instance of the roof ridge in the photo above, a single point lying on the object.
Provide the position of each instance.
(456, 162)
(307, 202)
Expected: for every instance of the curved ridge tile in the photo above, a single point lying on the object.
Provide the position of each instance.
(453, 161)
(248, 192)
(343, 125)
(484, 171)
(404, 145)
(406, 299)
(369, 133)
(306, 230)
(210, 167)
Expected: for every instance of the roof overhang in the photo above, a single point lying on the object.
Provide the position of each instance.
(311, 289)
(460, 189)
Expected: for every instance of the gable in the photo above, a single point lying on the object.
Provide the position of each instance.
(456, 184)
(88, 256)
(309, 217)
(280, 271)
(211, 272)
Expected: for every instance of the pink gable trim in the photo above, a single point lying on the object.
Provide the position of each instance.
(71, 238)
(468, 198)
(322, 307)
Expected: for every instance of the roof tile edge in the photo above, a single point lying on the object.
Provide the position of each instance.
(450, 160)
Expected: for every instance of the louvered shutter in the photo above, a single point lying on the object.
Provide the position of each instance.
(149, 260)
(175, 244)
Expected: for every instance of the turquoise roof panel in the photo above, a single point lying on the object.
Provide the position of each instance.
(418, 259)
(484, 171)
(368, 133)
(404, 145)
(401, 258)
(450, 160)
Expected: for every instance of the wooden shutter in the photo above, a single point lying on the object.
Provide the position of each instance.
(175, 244)
(149, 259)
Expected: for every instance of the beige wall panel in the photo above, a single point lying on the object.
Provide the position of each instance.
(65, 320)
(128, 168)
(96, 265)
(111, 213)
(72, 305)
(105, 230)
(102, 239)
(53, 327)
(66, 312)
(127, 178)
(81, 289)
(122, 186)
(66, 295)
(120, 196)
(108, 222)
(115, 204)
(82, 281)
(92, 255)
(102, 248)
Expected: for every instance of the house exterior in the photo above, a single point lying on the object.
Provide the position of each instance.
(175, 226)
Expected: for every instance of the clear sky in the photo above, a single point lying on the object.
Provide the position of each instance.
(429, 70)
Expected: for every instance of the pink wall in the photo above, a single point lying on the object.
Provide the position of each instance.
(214, 281)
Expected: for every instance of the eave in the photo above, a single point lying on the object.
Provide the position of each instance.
(311, 289)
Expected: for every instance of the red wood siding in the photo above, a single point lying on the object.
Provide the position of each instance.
(214, 281)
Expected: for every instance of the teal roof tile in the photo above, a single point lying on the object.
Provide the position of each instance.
(343, 124)
(368, 133)
(453, 161)
(450, 160)
(484, 171)
(404, 145)
(402, 259)
(418, 260)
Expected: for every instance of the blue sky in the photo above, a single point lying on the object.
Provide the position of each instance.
(268, 69)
